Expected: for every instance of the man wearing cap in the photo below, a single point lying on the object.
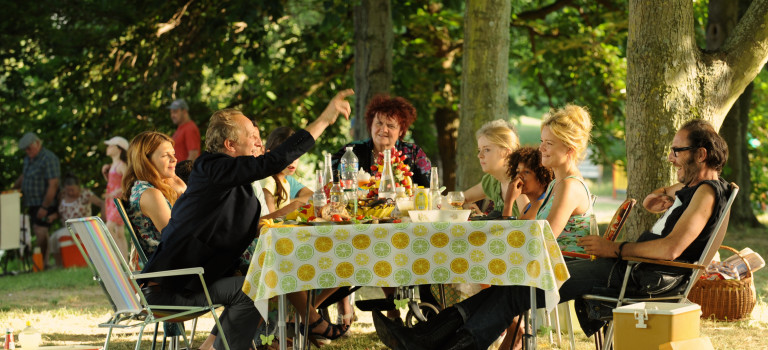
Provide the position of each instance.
(187, 136)
(39, 182)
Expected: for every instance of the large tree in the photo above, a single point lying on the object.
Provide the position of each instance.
(484, 79)
(670, 80)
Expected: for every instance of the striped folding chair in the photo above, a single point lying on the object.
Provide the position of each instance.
(119, 283)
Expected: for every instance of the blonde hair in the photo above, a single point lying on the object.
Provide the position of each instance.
(571, 125)
(221, 126)
(500, 133)
(140, 166)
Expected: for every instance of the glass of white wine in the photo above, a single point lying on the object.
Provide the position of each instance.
(456, 198)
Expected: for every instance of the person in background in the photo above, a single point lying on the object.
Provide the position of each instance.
(117, 149)
(150, 186)
(282, 192)
(495, 141)
(75, 203)
(187, 136)
(388, 119)
(39, 182)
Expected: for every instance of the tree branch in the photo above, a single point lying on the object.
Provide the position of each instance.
(544, 11)
(746, 52)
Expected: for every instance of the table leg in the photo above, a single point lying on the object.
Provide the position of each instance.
(532, 338)
(281, 317)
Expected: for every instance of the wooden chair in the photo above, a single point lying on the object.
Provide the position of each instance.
(679, 294)
(131, 308)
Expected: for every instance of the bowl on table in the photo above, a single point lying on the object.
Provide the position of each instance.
(439, 215)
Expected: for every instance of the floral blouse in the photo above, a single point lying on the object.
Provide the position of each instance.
(577, 225)
(416, 159)
(150, 236)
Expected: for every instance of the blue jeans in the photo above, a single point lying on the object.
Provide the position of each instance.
(488, 313)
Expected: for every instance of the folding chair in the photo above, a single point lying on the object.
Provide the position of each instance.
(169, 328)
(119, 283)
(614, 229)
(677, 294)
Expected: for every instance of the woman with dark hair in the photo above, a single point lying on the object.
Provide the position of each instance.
(387, 119)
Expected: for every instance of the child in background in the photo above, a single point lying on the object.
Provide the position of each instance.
(117, 149)
(75, 202)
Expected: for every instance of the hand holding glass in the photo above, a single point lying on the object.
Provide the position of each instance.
(456, 198)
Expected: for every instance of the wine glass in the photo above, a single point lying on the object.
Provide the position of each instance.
(456, 198)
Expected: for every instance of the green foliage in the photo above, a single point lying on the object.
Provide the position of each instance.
(574, 55)
(758, 143)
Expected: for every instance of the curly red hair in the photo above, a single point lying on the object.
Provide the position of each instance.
(397, 108)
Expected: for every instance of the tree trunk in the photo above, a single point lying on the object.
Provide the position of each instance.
(447, 123)
(723, 16)
(485, 69)
(373, 57)
(670, 80)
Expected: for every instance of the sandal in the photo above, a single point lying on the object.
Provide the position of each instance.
(331, 332)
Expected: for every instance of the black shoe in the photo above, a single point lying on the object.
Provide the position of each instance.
(462, 340)
(394, 335)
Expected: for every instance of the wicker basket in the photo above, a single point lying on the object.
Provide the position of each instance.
(726, 300)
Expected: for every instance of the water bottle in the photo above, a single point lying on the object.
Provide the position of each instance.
(348, 174)
(387, 181)
(30, 337)
(435, 200)
(318, 198)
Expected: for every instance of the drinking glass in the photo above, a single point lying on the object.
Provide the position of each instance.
(456, 198)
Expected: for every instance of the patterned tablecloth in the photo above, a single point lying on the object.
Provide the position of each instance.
(290, 259)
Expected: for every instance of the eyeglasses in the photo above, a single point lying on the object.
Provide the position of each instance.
(680, 149)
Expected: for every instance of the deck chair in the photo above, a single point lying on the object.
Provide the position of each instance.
(169, 329)
(131, 308)
(678, 294)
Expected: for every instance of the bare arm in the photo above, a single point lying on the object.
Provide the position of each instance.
(49, 199)
(270, 200)
(17, 183)
(154, 206)
(661, 198)
(303, 196)
(687, 228)
(514, 190)
(193, 154)
(338, 105)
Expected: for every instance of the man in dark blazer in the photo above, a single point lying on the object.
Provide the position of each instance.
(217, 217)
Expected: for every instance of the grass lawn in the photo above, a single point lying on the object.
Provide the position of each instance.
(67, 306)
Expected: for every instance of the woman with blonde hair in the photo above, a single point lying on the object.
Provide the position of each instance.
(568, 203)
(150, 186)
(496, 140)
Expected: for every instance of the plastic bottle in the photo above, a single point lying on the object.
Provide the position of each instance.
(30, 337)
(421, 199)
(318, 198)
(435, 199)
(9, 343)
(348, 174)
(387, 182)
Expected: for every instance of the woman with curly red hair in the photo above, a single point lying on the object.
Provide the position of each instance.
(387, 119)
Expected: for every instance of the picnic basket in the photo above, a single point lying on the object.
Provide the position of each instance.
(726, 300)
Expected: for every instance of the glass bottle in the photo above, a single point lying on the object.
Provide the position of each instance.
(9, 343)
(318, 198)
(336, 198)
(327, 174)
(387, 181)
(435, 199)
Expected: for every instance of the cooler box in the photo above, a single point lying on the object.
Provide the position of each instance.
(70, 255)
(645, 326)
